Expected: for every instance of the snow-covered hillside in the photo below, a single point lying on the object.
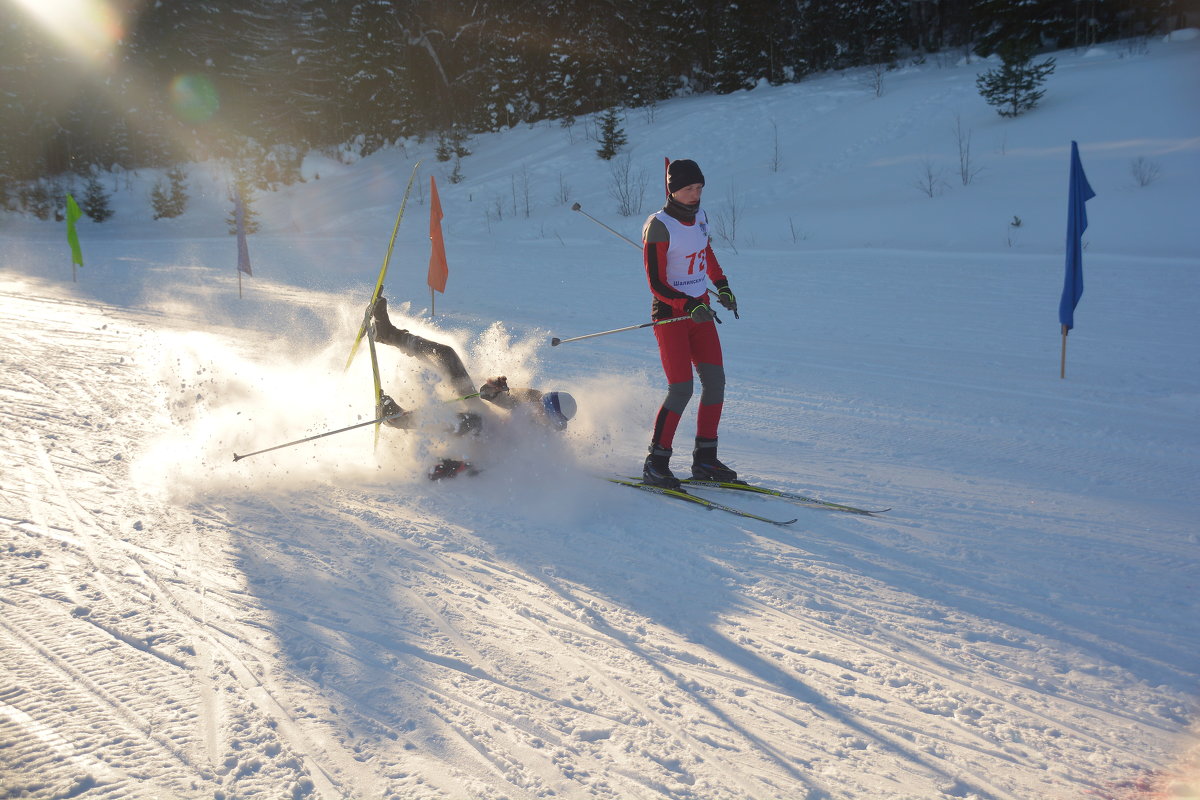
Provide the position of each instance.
(322, 621)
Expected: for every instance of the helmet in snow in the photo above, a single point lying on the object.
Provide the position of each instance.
(559, 408)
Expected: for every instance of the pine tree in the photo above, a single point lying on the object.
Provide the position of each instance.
(1033, 23)
(820, 37)
(740, 51)
(243, 188)
(881, 31)
(37, 199)
(170, 202)
(444, 150)
(1013, 87)
(315, 73)
(96, 201)
(612, 135)
(458, 140)
(374, 103)
(160, 201)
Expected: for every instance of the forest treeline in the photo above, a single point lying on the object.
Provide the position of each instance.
(191, 79)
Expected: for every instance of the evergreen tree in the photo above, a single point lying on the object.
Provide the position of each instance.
(258, 65)
(377, 103)
(243, 187)
(740, 47)
(7, 182)
(880, 32)
(160, 202)
(458, 141)
(959, 23)
(1013, 87)
(612, 135)
(675, 41)
(586, 60)
(510, 61)
(33, 107)
(320, 73)
(188, 41)
(37, 199)
(1028, 23)
(819, 36)
(444, 151)
(452, 144)
(314, 73)
(96, 201)
(170, 201)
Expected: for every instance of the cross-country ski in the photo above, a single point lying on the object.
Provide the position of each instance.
(766, 491)
(702, 502)
(241, 558)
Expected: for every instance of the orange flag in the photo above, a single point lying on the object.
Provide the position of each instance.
(439, 271)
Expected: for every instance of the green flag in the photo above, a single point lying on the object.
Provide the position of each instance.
(73, 214)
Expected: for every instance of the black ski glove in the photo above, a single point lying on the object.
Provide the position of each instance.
(726, 298)
(494, 388)
(397, 417)
(698, 310)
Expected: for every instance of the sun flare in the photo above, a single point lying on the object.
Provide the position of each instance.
(89, 28)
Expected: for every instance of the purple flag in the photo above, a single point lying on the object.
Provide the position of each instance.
(1080, 193)
(239, 214)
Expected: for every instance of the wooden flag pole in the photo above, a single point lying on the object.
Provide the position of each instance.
(1062, 370)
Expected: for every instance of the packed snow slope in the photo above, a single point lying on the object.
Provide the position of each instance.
(321, 621)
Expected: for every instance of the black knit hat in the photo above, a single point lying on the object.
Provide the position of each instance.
(683, 172)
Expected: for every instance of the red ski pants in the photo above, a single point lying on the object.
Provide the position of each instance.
(682, 346)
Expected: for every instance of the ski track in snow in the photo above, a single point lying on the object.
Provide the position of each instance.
(322, 622)
(417, 642)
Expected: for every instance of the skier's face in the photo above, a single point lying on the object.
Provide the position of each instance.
(689, 195)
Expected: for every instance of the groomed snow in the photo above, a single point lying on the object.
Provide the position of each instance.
(321, 621)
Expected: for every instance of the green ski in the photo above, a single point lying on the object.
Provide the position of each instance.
(792, 497)
(375, 376)
(382, 272)
(702, 502)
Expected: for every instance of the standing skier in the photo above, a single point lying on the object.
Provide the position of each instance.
(679, 264)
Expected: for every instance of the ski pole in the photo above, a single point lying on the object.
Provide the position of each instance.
(237, 457)
(578, 208)
(555, 342)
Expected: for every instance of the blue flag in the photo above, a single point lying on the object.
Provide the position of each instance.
(1077, 223)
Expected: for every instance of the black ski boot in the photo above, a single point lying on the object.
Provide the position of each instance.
(706, 466)
(385, 331)
(657, 469)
